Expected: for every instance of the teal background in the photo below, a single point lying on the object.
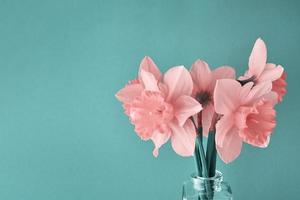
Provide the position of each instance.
(63, 135)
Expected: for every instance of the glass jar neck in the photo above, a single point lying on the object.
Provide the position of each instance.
(201, 183)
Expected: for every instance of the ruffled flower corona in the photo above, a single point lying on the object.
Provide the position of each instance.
(260, 71)
(159, 106)
(204, 84)
(248, 115)
(279, 86)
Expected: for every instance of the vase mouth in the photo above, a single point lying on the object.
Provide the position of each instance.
(198, 187)
(218, 177)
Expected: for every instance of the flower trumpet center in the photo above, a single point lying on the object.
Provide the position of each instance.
(256, 123)
(204, 98)
(244, 82)
(150, 113)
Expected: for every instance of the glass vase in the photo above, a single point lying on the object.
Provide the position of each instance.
(200, 188)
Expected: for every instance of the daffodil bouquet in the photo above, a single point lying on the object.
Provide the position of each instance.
(184, 106)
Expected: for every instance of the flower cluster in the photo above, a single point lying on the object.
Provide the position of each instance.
(174, 104)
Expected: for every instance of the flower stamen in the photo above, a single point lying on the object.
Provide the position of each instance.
(204, 98)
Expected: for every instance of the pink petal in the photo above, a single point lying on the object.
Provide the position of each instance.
(159, 139)
(163, 88)
(260, 145)
(258, 58)
(223, 72)
(148, 65)
(272, 97)
(129, 92)
(185, 107)
(241, 115)
(183, 138)
(223, 126)
(271, 74)
(179, 82)
(245, 91)
(266, 144)
(201, 74)
(226, 96)
(207, 117)
(258, 91)
(270, 66)
(149, 81)
(232, 146)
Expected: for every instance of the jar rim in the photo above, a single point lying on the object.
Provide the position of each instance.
(218, 176)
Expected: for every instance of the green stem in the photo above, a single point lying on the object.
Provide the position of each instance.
(198, 160)
(211, 154)
(211, 157)
(197, 154)
(201, 163)
(202, 153)
(199, 142)
(199, 167)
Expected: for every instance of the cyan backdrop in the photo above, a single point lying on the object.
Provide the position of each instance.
(63, 135)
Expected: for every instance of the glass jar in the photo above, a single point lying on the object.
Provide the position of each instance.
(200, 188)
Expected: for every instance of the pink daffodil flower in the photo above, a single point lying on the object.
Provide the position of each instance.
(248, 115)
(159, 106)
(260, 71)
(135, 87)
(204, 84)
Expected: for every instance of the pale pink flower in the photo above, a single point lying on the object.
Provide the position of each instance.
(134, 87)
(159, 107)
(260, 71)
(248, 116)
(204, 84)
